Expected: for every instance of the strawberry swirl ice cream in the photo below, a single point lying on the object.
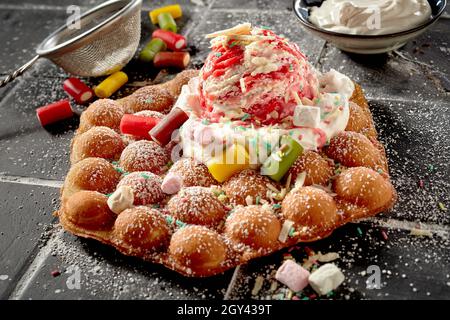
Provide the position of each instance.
(255, 87)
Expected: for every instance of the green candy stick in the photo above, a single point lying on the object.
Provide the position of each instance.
(166, 22)
(281, 160)
(151, 49)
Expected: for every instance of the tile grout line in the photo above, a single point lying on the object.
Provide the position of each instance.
(28, 276)
(31, 181)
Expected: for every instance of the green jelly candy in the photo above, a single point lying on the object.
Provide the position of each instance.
(166, 22)
(151, 49)
(281, 160)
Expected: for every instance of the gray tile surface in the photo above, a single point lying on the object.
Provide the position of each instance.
(25, 214)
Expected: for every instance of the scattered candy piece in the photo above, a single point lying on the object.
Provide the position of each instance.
(234, 160)
(326, 278)
(421, 233)
(121, 199)
(174, 10)
(306, 116)
(442, 206)
(172, 183)
(54, 112)
(280, 161)
(111, 84)
(151, 49)
(166, 22)
(80, 92)
(178, 60)
(56, 273)
(259, 281)
(162, 132)
(285, 230)
(137, 126)
(292, 275)
(174, 41)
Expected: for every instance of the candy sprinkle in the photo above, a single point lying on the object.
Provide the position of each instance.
(384, 235)
(421, 184)
(359, 231)
(276, 206)
(245, 117)
(442, 206)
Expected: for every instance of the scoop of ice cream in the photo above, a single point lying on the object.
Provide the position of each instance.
(255, 74)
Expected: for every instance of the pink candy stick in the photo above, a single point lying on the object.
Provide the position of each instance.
(172, 183)
(292, 275)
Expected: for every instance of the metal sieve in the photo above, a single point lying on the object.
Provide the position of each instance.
(106, 41)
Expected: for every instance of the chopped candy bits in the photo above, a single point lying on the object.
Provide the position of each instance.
(306, 116)
(233, 160)
(137, 125)
(172, 183)
(326, 278)
(166, 22)
(111, 84)
(80, 92)
(174, 41)
(174, 10)
(293, 275)
(162, 132)
(178, 60)
(280, 161)
(54, 112)
(151, 49)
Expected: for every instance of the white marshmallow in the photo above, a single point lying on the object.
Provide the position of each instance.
(307, 116)
(325, 279)
(121, 199)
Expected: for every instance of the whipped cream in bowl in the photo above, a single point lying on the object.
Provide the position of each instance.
(369, 26)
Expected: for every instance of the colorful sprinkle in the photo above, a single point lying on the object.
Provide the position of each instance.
(384, 234)
(277, 206)
(145, 176)
(442, 206)
(421, 184)
(359, 231)
(245, 117)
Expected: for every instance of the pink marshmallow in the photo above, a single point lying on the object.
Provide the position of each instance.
(293, 275)
(204, 135)
(172, 183)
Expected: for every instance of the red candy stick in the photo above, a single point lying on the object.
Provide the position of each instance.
(178, 60)
(137, 126)
(174, 41)
(162, 132)
(80, 92)
(54, 112)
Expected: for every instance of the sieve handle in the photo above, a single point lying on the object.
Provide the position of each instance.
(18, 72)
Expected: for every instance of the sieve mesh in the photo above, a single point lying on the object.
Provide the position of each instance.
(107, 53)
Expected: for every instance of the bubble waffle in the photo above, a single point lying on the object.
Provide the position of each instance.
(206, 227)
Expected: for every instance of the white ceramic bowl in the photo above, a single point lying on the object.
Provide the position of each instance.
(368, 44)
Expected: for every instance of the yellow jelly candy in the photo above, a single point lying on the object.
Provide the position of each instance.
(174, 10)
(234, 160)
(111, 84)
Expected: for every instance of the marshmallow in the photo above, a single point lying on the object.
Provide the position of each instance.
(306, 116)
(325, 279)
(172, 183)
(292, 275)
(121, 199)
